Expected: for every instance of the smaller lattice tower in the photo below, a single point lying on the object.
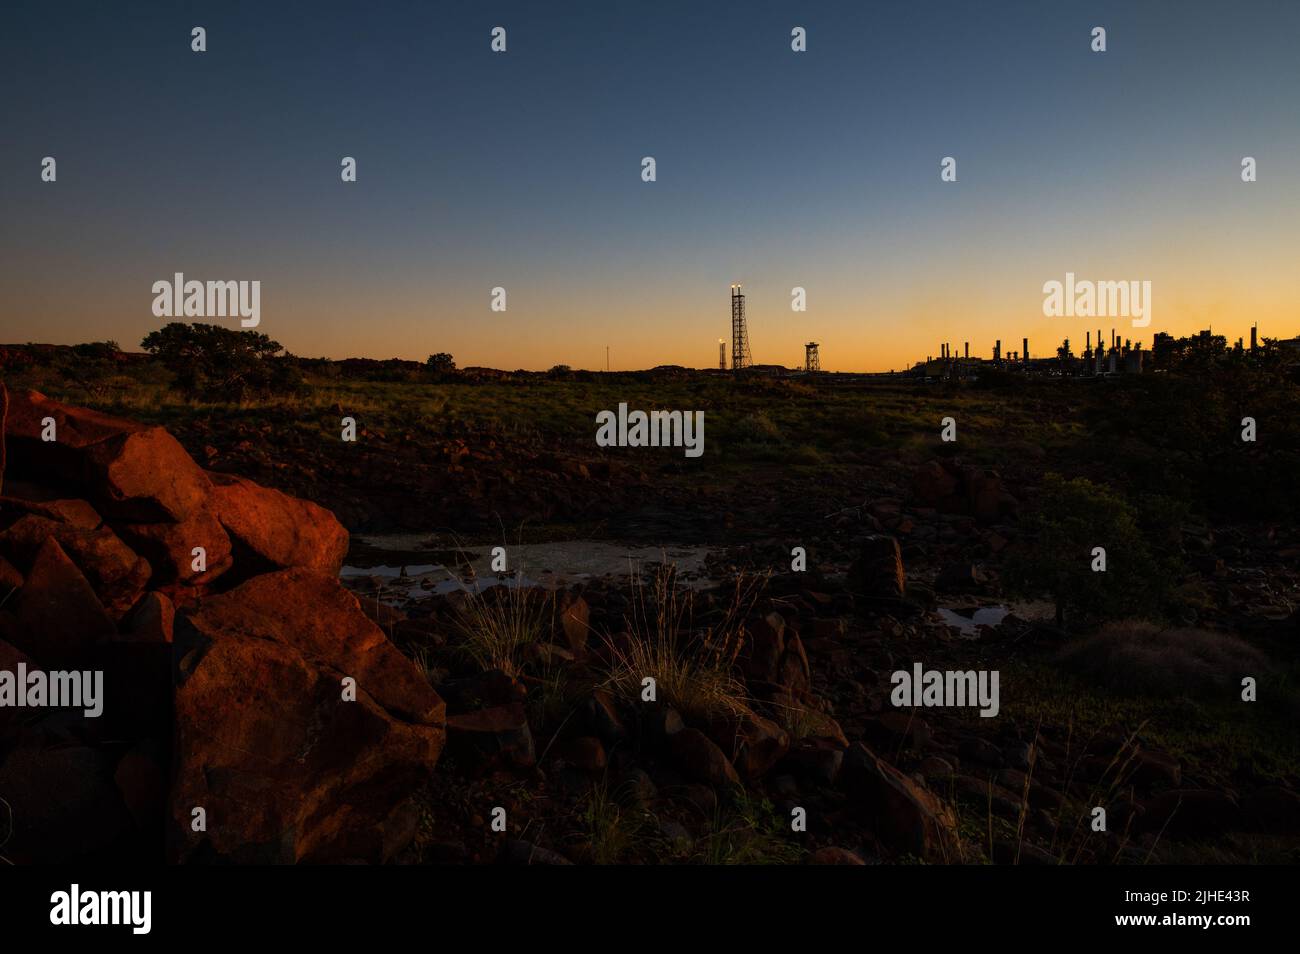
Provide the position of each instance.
(722, 354)
(811, 360)
(740, 357)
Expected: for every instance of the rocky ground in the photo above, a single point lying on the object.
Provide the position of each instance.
(259, 710)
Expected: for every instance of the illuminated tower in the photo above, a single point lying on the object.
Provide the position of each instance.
(740, 357)
(722, 354)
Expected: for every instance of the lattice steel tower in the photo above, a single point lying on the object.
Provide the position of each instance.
(740, 357)
(811, 360)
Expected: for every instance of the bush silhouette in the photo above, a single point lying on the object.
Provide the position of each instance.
(215, 363)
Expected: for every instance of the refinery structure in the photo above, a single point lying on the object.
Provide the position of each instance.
(1100, 356)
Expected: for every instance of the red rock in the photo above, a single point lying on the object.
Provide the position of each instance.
(287, 770)
(584, 753)
(282, 531)
(60, 618)
(701, 759)
(906, 817)
(129, 471)
(574, 622)
(76, 513)
(489, 737)
(764, 645)
(984, 492)
(932, 484)
(169, 547)
(315, 615)
(878, 568)
(762, 743)
(115, 571)
(793, 672)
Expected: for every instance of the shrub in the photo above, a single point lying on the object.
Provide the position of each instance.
(1072, 518)
(1141, 658)
(219, 364)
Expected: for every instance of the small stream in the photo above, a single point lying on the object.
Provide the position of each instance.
(413, 568)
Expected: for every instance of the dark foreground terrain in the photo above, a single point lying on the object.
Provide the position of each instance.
(502, 721)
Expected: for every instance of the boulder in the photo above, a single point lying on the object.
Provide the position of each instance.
(700, 759)
(584, 753)
(793, 672)
(169, 548)
(604, 718)
(764, 645)
(278, 530)
(76, 513)
(286, 768)
(933, 484)
(907, 817)
(495, 737)
(318, 618)
(960, 578)
(761, 744)
(117, 573)
(129, 471)
(1151, 767)
(59, 616)
(573, 625)
(878, 568)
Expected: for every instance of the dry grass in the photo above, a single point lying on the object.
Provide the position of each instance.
(1139, 658)
(496, 623)
(693, 670)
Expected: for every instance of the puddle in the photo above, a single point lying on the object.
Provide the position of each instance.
(968, 620)
(969, 626)
(404, 562)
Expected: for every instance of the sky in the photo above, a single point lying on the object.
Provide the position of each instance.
(522, 170)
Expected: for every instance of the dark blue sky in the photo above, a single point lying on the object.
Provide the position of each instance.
(522, 170)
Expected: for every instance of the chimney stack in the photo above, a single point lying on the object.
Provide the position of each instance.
(1254, 341)
(1024, 350)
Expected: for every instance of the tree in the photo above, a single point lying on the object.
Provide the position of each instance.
(216, 363)
(441, 362)
(1073, 517)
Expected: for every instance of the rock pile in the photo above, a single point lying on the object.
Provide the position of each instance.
(250, 710)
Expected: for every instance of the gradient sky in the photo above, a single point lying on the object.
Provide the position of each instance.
(776, 169)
